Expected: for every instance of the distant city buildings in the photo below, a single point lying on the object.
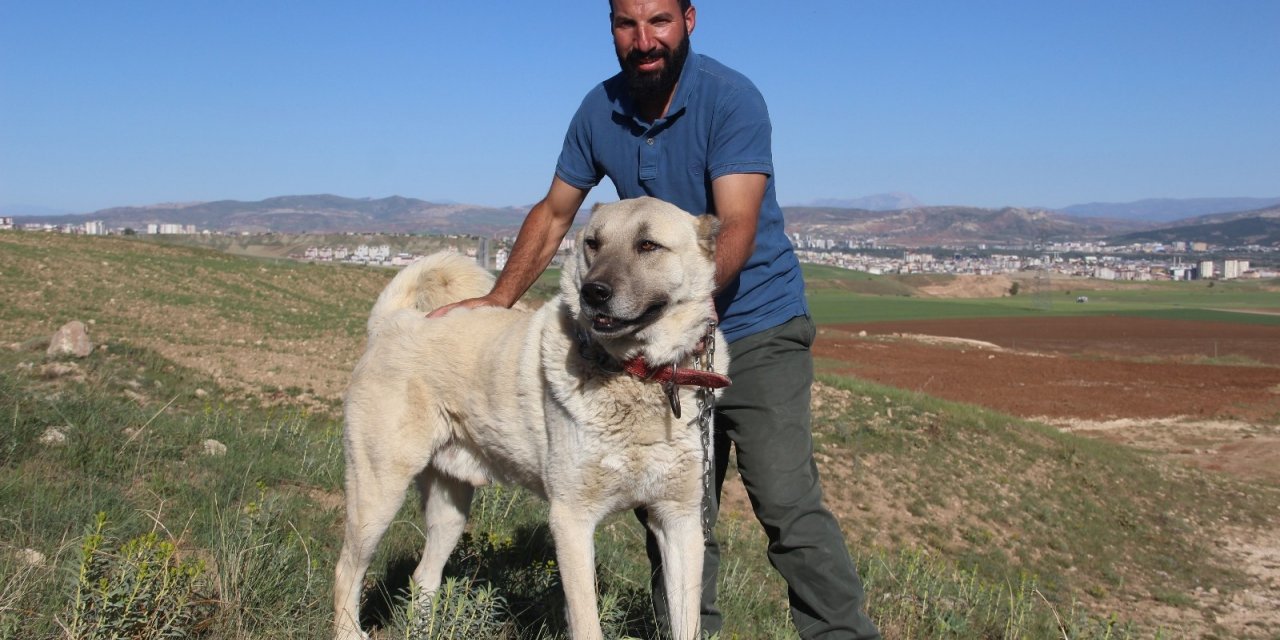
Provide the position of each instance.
(99, 228)
(1234, 269)
(1084, 258)
(379, 255)
(165, 228)
(1105, 267)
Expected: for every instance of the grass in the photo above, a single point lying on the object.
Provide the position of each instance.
(247, 539)
(1005, 495)
(964, 522)
(140, 474)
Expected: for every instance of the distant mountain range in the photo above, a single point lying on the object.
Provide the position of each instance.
(882, 217)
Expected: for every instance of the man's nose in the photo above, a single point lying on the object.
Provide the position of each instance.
(645, 40)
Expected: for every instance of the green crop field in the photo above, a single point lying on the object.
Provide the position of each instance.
(841, 296)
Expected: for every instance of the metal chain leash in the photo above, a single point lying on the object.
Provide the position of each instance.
(706, 427)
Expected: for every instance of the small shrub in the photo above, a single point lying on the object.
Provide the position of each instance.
(141, 590)
(458, 610)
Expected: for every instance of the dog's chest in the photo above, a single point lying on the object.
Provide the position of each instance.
(645, 457)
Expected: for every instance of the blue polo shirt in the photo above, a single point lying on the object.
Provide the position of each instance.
(717, 125)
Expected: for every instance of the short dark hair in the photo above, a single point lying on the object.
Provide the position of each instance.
(684, 6)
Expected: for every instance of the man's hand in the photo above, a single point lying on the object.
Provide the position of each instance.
(469, 303)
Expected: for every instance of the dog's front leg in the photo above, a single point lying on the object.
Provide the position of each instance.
(680, 542)
(573, 532)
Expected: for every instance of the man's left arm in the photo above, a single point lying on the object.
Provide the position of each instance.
(738, 197)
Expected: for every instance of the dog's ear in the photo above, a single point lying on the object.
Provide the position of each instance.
(708, 231)
(596, 206)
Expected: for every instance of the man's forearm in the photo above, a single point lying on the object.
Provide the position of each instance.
(735, 244)
(535, 246)
(737, 197)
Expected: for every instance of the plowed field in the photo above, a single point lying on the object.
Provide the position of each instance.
(1205, 391)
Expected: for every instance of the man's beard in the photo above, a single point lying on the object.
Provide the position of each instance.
(656, 85)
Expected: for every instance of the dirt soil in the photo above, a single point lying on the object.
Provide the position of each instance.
(1093, 368)
(1204, 394)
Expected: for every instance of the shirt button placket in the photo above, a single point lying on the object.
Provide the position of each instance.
(649, 158)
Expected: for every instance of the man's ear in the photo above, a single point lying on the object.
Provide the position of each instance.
(708, 231)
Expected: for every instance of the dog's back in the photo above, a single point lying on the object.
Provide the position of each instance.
(430, 283)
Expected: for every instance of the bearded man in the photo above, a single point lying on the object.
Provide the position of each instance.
(684, 128)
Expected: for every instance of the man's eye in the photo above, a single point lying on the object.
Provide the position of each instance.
(646, 246)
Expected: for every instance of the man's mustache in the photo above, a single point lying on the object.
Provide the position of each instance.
(635, 58)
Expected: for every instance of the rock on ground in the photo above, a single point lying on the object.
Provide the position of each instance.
(72, 339)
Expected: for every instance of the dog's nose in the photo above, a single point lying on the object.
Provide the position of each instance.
(596, 293)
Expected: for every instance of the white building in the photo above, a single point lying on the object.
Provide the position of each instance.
(169, 228)
(1206, 269)
(95, 228)
(6, 222)
(1232, 269)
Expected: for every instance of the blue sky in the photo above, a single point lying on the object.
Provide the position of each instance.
(985, 103)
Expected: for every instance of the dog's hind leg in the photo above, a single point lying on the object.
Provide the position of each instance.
(680, 542)
(445, 504)
(373, 498)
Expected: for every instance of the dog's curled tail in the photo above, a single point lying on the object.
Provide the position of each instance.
(431, 283)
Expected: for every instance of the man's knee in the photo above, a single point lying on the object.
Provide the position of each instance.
(781, 492)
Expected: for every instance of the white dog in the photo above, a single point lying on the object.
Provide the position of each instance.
(579, 402)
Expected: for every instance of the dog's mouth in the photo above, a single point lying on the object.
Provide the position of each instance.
(607, 325)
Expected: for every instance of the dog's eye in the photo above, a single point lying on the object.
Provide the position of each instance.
(592, 243)
(646, 246)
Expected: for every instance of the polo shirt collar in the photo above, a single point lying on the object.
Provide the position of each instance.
(684, 88)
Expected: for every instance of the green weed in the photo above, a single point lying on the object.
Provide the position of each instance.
(138, 589)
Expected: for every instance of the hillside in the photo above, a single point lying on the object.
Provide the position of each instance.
(950, 226)
(966, 522)
(1260, 228)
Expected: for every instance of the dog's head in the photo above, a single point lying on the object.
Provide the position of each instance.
(642, 277)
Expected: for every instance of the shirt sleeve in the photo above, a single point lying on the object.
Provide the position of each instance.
(576, 164)
(741, 140)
